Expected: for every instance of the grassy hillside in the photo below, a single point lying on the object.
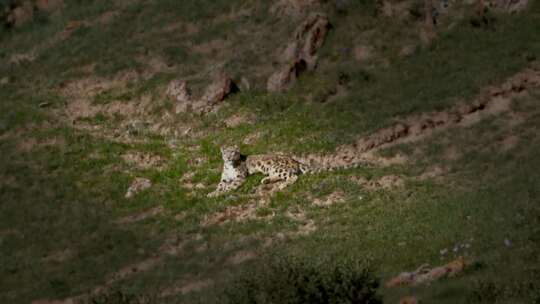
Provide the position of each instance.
(83, 112)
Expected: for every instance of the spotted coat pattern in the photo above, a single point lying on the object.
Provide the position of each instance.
(236, 167)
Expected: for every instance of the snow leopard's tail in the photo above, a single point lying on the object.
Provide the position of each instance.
(314, 164)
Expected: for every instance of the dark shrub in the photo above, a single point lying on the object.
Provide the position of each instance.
(289, 280)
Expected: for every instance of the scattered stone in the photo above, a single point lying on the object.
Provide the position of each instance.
(4, 80)
(425, 275)
(334, 198)
(138, 185)
(507, 243)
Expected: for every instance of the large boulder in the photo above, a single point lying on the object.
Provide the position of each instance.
(283, 78)
(214, 94)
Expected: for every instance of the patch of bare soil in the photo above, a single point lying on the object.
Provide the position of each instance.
(241, 257)
(492, 101)
(509, 142)
(238, 119)
(59, 256)
(433, 172)
(7, 181)
(211, 47)
(306, 225)
(252, 138)
(185, 287)
(239, 213)
(143, 160)
(385, 182)
(21, 58)
(336, 197)
(152, 212)
(81, 92)
(452, 153)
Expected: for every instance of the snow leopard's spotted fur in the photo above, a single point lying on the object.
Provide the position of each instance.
(278, 168)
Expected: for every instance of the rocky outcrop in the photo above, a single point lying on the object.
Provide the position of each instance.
(179, 92)
(283, 78)
(300, 53)
(216, 92)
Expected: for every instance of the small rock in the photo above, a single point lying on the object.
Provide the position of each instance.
(138, 185)
(507, 243)
(4, 80)
(136, 127)
(443, 251)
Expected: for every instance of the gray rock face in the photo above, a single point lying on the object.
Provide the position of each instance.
(301, 53)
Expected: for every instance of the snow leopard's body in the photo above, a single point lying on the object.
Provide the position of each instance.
(277, 168)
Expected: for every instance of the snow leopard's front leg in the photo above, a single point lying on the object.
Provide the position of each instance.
(226, 186)
(289, 180)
